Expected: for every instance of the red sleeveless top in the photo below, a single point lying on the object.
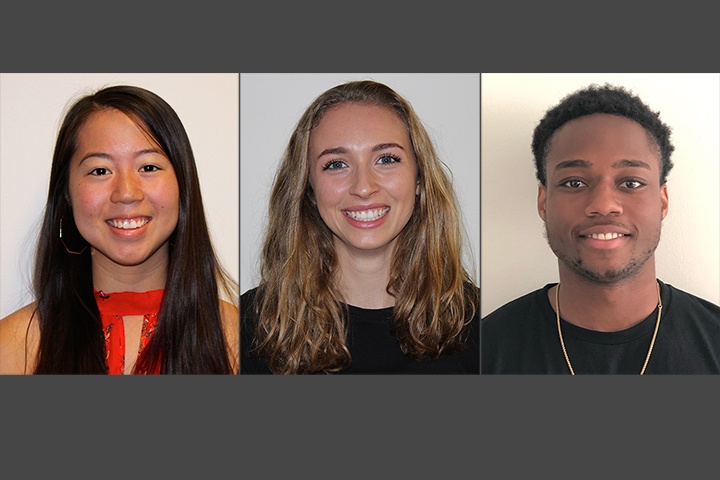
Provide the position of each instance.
(112, 308)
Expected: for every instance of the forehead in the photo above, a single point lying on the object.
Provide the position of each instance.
(355, 121)
(603, 138)
(104, 118)
(110, 123)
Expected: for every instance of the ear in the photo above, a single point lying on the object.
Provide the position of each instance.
(542, 201)
(664, 200)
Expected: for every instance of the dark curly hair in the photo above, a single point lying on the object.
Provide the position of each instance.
(601, 99)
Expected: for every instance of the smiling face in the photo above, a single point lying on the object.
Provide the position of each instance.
(123, 190)
(603, 205)
(364, 175)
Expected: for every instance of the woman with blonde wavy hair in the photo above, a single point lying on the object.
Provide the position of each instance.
(361, 267)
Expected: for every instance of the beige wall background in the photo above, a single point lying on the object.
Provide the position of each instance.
(515, 257)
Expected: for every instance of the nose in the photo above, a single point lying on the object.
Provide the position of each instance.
(126, 188)
(364, 182)
(603, 201)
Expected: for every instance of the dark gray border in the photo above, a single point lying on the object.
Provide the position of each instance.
(422, 427)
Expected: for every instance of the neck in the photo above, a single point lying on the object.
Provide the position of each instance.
(109, 276)
(606, 307)
(363, 277)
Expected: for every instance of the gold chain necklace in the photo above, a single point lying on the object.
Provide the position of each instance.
(562, 342)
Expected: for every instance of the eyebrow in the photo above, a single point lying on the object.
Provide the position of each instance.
(106, 156)
(587, 164)
(383, 146)
(333, 151)
(376, 148)
(631, 163)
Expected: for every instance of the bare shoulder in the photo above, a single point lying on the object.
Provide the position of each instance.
(19, 338)
(230, 316)
(231, 326)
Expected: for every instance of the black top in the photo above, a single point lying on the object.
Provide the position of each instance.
(372, 347)
(521, 337)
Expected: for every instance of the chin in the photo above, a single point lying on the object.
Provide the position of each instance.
(607, 276)
(130, 261)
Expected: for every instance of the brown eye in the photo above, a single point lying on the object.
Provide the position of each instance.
(99, 171)
(632, 184)
(574, 183)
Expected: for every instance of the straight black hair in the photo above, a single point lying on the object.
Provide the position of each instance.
(189, 336)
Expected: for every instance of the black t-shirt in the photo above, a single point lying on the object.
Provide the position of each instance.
(373, 348)
(521, 337)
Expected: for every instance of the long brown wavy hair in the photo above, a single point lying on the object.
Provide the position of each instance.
(189, 336)
(301, 325)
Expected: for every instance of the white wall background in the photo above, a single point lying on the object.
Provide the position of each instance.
(515, 257)
(31, 110)
(271, 105)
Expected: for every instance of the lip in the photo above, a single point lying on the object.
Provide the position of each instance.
(129, 232)
(369, 206)
(363, 223)
(604, 236)
(604, 228)
(604, 244)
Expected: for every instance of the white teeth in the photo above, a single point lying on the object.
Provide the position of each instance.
(128, 224)
(605, 236)
(367, 215)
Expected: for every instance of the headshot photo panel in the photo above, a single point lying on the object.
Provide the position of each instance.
(607, 185)
(120, 223)
(360, 221)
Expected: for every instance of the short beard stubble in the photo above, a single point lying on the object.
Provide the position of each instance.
(607, 277)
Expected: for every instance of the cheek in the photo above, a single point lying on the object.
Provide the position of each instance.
(402, 187)
(86, 201)
(403, 183)
(329, 191)
(561, 211)
(167, 198)
(649, 215)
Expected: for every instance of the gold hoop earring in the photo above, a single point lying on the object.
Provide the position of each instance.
(63, 242)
